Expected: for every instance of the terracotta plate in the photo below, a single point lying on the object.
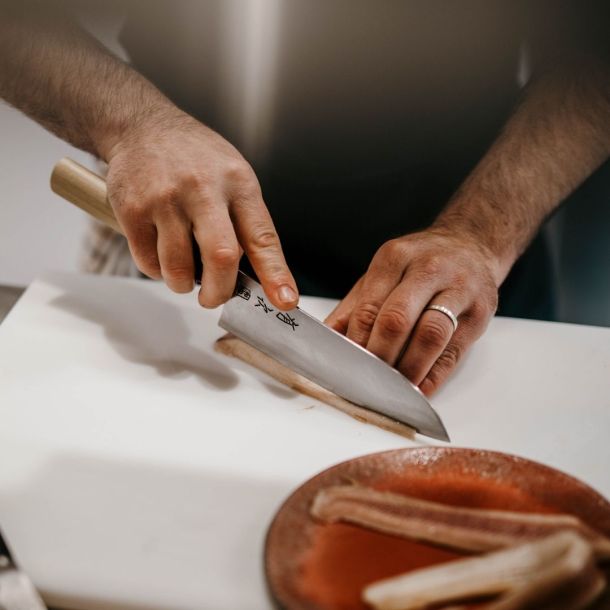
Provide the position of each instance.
(311, 566)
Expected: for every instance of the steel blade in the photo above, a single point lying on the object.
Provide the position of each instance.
(304, 344)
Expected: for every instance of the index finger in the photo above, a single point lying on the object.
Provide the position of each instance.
(338, 318)
(261, 243)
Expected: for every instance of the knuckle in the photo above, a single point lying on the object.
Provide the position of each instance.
(166, 198)
(432, 265)
(134, 213)
(446, 362)
(224, 257)
(478, 311)
(148, 265)
(204, 191)
(191, 181)
(274, 277)
(365, 314)
(263, 238)
(388, 248)
(432, 335)
(409, 370)
(239, 171)
(427, 387)
(340, 322)
(391, 250)
(431, 383)
(461, 281)
(483, 309)
(243, 182)
(142, 240)
(450, 357)
(168, 193)
(178, 272)
(147, 259)
(393, 322)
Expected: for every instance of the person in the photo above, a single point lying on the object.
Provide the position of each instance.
(389, 144)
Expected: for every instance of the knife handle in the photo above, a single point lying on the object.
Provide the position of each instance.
(84, 189)
(87, 191)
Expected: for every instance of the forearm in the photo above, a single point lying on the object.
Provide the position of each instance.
(558, 135)
(65, 80)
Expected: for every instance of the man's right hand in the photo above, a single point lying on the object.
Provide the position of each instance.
(172, 178)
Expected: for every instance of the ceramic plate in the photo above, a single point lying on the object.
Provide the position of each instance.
(312, 566)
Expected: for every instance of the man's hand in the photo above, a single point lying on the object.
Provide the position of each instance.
(171, 178)
(386, 310)
(557, 136)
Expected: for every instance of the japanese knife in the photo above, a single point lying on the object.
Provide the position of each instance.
(293, 338)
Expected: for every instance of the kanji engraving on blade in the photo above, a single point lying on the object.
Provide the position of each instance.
(244, 293)
(286, 318)
(261, 303)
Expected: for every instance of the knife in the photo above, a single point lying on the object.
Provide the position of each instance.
(294, 338)
(16, 590)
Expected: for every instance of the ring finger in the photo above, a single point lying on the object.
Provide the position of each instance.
(430, 337)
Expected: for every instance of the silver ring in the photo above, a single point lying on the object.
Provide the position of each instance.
(447, 312)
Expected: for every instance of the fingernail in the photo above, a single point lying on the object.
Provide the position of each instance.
(286, 294)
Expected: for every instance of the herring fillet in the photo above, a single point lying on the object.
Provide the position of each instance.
(464, 529)
(530, 575)
(536, 561)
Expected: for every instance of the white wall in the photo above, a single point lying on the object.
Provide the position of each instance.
(38, 230)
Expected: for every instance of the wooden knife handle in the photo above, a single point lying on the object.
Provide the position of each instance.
(84, 189)
(87, 190)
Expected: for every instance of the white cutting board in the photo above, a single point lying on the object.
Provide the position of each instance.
(140, 470)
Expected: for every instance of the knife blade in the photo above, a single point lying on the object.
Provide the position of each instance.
(16, 590)
(293, 337)
(316, 351)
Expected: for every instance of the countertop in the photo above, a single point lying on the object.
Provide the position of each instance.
(141, 470)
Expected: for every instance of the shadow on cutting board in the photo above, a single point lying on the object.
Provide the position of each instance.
(144, 329)
(101, 533)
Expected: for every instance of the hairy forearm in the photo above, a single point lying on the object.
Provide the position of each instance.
(558, 135)
(64, 79)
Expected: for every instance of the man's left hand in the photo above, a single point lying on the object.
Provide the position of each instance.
(386, 309)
